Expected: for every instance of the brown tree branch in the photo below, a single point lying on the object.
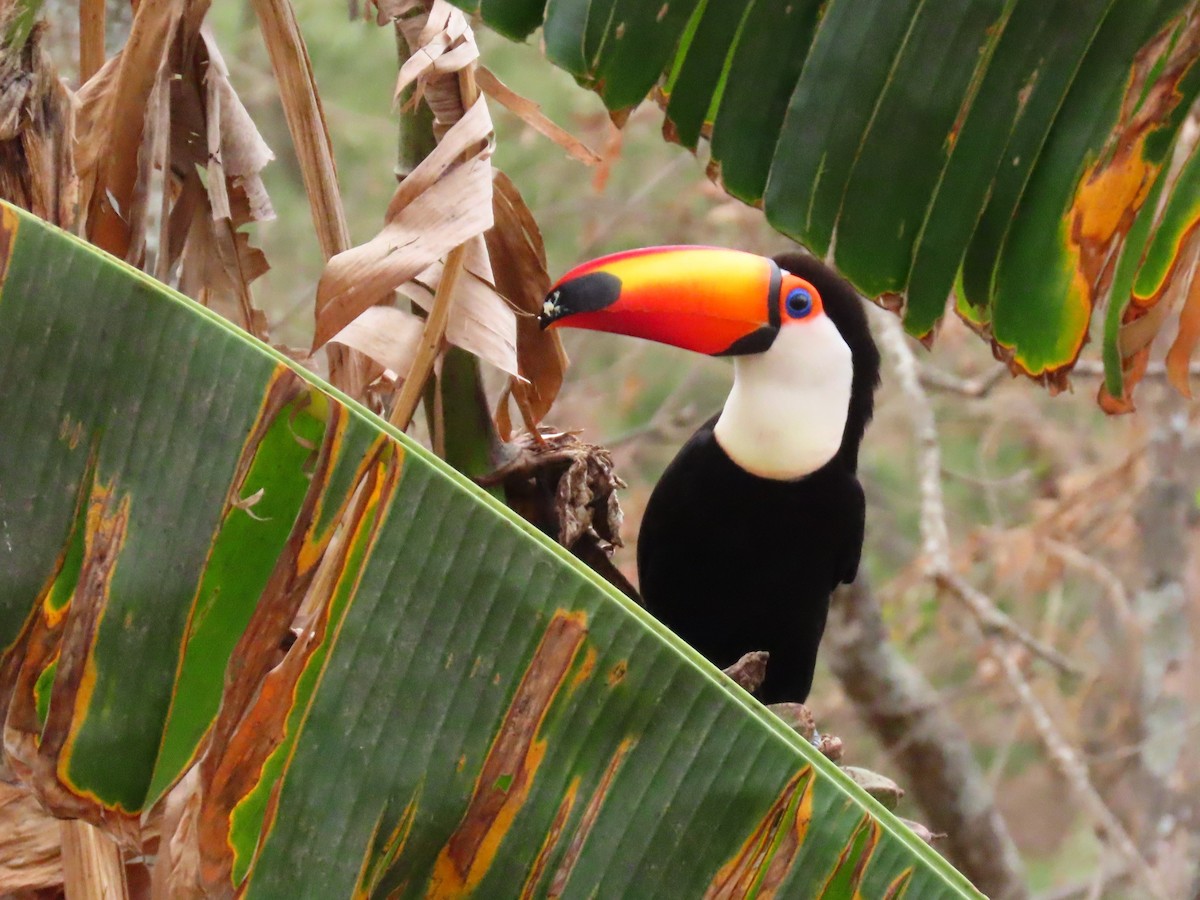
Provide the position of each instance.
(907, 715)
(936, 558)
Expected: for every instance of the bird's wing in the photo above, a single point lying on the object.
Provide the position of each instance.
(855, 530)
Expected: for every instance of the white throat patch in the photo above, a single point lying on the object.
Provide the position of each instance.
(786, 414)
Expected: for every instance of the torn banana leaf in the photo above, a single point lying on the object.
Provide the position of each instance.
(377, 680)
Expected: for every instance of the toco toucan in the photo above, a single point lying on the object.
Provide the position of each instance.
(760, 515)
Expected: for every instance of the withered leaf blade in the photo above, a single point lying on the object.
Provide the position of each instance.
(482, 321)
(112, 171)
(37, 162)
(531, 114)
(439, 206)
(519, 265)
(1186, 341)
(384, 333)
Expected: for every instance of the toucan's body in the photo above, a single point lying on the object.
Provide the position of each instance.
(760, 515)
(799, 540)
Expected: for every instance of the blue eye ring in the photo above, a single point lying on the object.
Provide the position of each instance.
(799, 302)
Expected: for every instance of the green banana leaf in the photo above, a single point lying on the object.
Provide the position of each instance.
(1004, 149)
(379, 681)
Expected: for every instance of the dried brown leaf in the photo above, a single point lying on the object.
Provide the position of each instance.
(481, 321)
(91, 37)
(93, 101)
(176, 872)
(92, 864)
(211, 129)
(474, 127)
(519, 266)
(440, 33)
(455, 207)
(218, 264)
(152, 157)
(306, 121)
(189, 118)
(1144, 318)
(440, 40)
(531, 114)
(118, 134)
(37, 167)
(1186, 340)
(243, 152)
(386, 334)
(29, 844)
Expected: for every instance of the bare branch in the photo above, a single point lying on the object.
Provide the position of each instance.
(978, 386)
(935, 539)
(911, 721)
(937, 564)
(1075, 771)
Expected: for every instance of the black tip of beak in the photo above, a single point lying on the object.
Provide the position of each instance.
(587, 293)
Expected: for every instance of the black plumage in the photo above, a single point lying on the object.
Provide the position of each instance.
(733, 562)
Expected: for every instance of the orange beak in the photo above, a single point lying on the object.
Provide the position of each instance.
(706, 299)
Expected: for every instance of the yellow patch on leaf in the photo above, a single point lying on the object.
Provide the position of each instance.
(768, 854)
(512, 761)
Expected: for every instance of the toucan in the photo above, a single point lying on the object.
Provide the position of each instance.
(761, 514)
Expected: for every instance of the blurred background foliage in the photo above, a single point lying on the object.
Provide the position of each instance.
(1118, 495)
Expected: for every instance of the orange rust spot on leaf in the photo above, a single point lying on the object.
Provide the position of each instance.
(899, 886)
(856, 855)
(313, 543)
(23, 662)
(586, 668)
(1115, 187)
(1144, 316)
(375, 865)
(258, 699)
(588, 819)
(512, 761)
(768, 854)
(70, 431)
(551, 841)
(617, 673)
(106, 523)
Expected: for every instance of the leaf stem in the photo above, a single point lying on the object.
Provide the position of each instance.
(431, 341)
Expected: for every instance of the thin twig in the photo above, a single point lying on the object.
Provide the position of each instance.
(1074, 769)
(936, 549)
(431, 342)
(935, 538)
(433, 337)
(978, 386)
(995, 623)
(1102, 575)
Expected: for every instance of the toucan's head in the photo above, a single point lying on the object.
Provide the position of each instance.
(798, 332)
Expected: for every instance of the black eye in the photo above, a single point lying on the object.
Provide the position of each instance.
(799, 303)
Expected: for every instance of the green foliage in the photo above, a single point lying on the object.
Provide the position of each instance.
(1003, 147)
(465, 708)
